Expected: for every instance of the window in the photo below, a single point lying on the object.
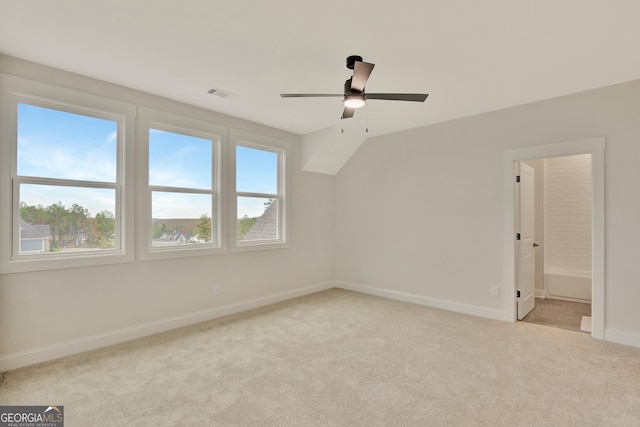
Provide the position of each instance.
(67, 203)
(180, 158)
(66, 182)
(68, 179)
(259, 211)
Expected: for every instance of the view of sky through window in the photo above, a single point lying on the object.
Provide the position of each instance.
(256, 172)
(177, 160)
(61, 145)
(169, 205)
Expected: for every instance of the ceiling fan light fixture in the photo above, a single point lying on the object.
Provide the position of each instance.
(354, 101)
(354, 96)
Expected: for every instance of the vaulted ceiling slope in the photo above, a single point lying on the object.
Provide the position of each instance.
(470, 56)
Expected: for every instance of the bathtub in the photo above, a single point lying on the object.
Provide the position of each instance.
(571, 285)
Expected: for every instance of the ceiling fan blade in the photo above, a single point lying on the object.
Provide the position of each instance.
(361, 73)
(348, 113)
(310, 95)
(415, 97)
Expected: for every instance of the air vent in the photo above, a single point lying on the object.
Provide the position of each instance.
(220, 93)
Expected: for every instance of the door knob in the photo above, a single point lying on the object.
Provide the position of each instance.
(535, 245)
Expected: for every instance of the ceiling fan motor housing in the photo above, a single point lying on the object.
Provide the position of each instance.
(347, 87)
(354, 89)
(352, 93)
(351, 61)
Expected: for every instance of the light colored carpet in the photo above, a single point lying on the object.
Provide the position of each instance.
(339, 358)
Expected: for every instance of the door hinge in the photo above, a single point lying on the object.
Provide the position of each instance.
(517, 178)
(517, 294)
(517, 236)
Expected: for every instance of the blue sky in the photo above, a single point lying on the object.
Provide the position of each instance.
(177, 160)
(55, 144)
(256, 172)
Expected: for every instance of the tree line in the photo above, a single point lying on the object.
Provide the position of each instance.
(72, 227)
(75, 227)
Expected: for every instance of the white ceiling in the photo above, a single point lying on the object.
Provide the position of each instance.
(470, 56)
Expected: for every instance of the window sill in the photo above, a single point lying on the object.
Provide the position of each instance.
(26, 263)
(259, 246)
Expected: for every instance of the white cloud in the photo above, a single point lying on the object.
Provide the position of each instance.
(49, 159)
(180, 205)
(112, 137)
(173, 177)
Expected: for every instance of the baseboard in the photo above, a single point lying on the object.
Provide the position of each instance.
(473, 310)
(54, 351)
(540, 293)
(621, 337)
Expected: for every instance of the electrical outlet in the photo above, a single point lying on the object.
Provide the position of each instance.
(216, 290)
(495, 291)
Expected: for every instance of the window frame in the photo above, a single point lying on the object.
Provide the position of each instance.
(148, 119)
(282, 149)
(16, 90)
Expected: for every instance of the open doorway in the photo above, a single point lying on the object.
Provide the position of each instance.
(595, 148)
(553, 207)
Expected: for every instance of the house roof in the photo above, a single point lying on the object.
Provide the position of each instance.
(28, 231)
(174, 235)
(266, 226)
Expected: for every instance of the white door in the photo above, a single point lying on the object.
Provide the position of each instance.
(525, 247)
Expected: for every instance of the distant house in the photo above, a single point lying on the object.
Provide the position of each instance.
(196, 239)
(34, 238)
(170, 239)
(266, 226)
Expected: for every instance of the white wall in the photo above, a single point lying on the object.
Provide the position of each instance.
(413, 215)
(567, 213)
(419, 213)
(51, 313)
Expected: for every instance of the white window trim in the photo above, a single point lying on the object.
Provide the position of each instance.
(282, 148)
(14, 90)
(149, 118)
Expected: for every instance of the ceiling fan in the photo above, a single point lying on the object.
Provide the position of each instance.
(354, 94)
